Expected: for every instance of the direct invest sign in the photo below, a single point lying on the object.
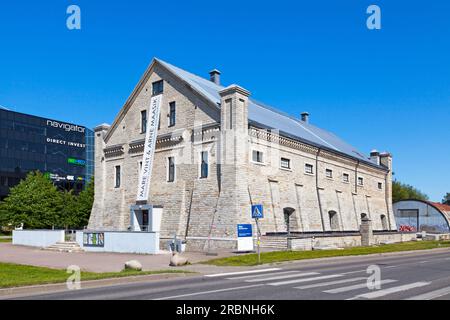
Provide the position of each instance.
(145, 175)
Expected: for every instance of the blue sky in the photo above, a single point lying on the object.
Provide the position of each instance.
(387, 89)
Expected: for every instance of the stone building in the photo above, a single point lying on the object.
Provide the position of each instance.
(219, 151)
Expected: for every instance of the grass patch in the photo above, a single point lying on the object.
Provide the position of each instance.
(5, 240)
(282, 256)
(16, 275)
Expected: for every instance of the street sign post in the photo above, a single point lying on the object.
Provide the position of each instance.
(257, 213)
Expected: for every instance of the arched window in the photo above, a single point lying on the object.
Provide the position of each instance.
(334, 220)
(384, 223)
(287, 218)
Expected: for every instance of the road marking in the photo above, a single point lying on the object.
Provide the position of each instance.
(385, 292)
(304, 280)
(208, 292)
(356, 287)
(423, 262)
(432, 295)
(297, 275)
(261, 275)
(242, 272)
(331, 283)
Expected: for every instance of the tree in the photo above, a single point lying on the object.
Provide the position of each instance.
(446, 199)
(38, 204)
(84, 204)
(35, 202)
(401, 191)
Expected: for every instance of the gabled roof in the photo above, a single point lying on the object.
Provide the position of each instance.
(268, 117)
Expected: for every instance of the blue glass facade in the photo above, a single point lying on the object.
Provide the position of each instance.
(62, 151)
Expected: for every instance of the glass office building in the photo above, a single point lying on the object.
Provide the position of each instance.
(62, 151)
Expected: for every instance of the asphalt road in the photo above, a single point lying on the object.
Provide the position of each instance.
(420, 276)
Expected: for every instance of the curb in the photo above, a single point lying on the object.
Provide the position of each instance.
(30, 291)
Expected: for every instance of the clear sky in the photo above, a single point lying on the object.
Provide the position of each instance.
(387, 89)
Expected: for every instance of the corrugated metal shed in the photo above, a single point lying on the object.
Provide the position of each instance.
(272, 118)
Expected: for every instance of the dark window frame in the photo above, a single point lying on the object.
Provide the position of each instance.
(157, 87)
(171, 169)
(257, 156)
(117, 177)
(285, 160)
(172, 113)
(204, 165)
(144, 121)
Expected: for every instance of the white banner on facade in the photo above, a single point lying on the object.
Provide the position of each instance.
(145, 176)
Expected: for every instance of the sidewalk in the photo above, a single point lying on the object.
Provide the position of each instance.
(103, 262)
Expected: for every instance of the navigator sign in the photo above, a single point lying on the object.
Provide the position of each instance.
(66, 126)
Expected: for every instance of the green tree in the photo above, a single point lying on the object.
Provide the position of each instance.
(446, 199)
(401, 191)
(38, 204)
(84, 203)
(35, 202)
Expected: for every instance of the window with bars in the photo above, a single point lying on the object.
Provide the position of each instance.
(309, 168)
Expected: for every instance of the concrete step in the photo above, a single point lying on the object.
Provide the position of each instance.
(274, 243)
(69, 246)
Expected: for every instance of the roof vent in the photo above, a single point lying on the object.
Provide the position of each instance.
(305, 117)
(215, 76)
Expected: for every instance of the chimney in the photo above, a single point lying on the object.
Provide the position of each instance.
(305, 117)
(215, 76)
(375, 157)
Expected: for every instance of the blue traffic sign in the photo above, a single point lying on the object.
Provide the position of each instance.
(257, 211)
(244, 230)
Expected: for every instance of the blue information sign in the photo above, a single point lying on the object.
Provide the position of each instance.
(257, 211)
(244, 230)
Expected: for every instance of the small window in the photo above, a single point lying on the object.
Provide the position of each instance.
(117, 177)
(171, 169)
(204, 165)
(329, 173)
(285, 163)
(171, 114)
(157, 87)
(143, 121)
(309, 168)
(380, 186)
(346, 177)
(257, 156)
(360, 181)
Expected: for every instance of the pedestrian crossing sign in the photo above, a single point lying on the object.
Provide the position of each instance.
(257, 211)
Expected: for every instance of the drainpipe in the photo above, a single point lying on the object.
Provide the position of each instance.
(317, 189)
(386, 196)
(356, 177)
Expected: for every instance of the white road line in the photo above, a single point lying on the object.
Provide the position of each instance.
(282, 283)
(262, 275)
(297, 275)
(385, 292)
(331, 283)
(242, 272)
(356, 287)
(432, 295)
(208, 292)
